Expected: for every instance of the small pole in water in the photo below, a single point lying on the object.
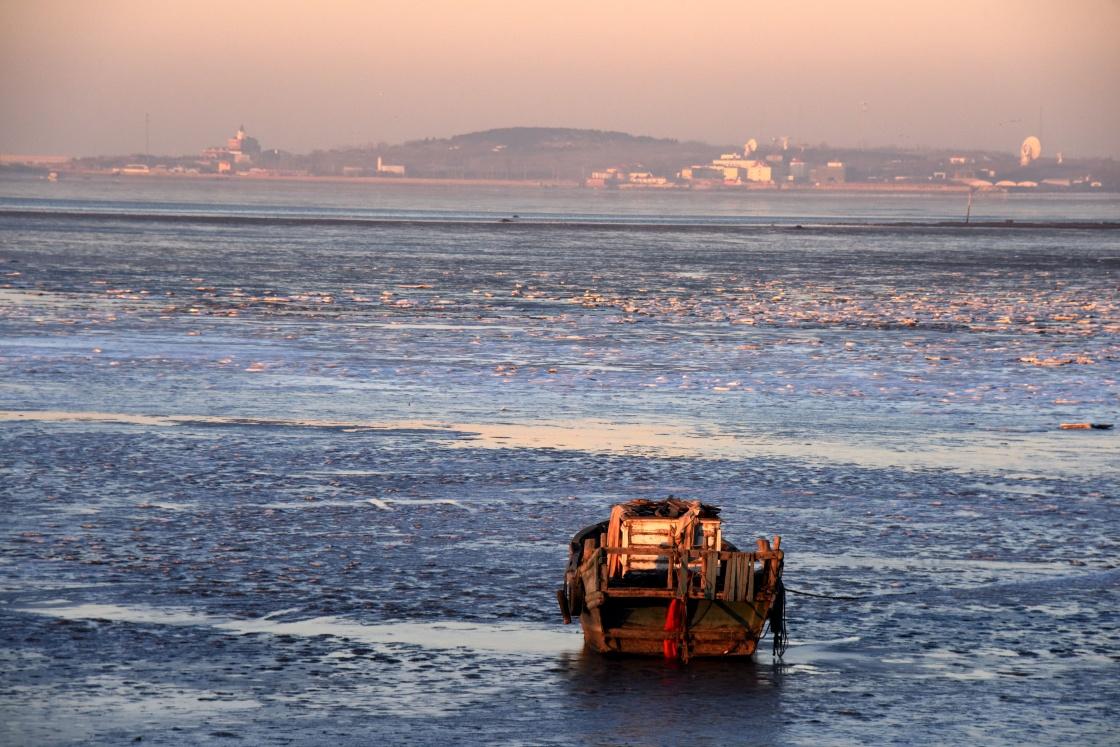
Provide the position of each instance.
(968, 210)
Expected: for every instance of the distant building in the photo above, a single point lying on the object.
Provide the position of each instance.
(645, 178)
(389, 169)
(615, 177)
(760, 171)
(242, 143)
(240, 150)
(703, 173)
(834, 172)
(603, 179)
(730, 168)
(798, 170)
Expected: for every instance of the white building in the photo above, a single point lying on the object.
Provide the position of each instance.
(389, 168)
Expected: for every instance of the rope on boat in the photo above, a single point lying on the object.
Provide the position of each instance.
(777, 621)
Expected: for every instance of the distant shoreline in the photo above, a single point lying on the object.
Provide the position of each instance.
(404, 181)
(514, 223)
(414, 181)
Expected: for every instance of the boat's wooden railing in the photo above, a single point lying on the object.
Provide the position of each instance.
(692, 573)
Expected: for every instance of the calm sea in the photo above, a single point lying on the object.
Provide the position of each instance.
(297, 463)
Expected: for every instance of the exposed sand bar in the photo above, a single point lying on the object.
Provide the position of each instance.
(1020, 453)
(60, 416)
(1033, 454)
(499, 637)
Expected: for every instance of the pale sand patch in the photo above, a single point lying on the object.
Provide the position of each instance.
(502, 637)
(64, 416)
(1034, 454)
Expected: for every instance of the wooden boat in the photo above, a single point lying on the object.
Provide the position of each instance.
(659, 579)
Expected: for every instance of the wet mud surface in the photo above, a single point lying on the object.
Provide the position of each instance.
(291, 485)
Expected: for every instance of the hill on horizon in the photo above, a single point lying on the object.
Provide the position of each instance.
(555, 137)
(533, 153)
(571, 154)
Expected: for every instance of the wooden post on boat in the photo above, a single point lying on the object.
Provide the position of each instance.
(562, 600)
(774, 567)
(711, 573)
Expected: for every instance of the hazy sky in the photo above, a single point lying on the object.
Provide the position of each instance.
(78, 77)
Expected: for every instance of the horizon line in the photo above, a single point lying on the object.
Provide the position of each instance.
(13, 157)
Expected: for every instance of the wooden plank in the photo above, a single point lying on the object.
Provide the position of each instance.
(651, 524)
(643, 635)
(623, 593)
(711, 574)
(645, 538)
(626, 559)
(638, 593)
(684, 581)
(562, 600)
(588, 548)
(731, 634)
(694, 555)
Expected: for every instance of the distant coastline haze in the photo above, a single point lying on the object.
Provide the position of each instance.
(127, 77)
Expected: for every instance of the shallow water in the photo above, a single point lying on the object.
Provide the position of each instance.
(299, 483)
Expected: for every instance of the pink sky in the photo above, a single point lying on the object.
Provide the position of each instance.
(78, 77)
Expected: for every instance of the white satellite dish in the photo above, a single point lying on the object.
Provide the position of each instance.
(1029, 151)
(751, 146)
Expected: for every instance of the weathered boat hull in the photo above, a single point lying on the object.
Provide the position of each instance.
(657, 579)
(637, 627)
